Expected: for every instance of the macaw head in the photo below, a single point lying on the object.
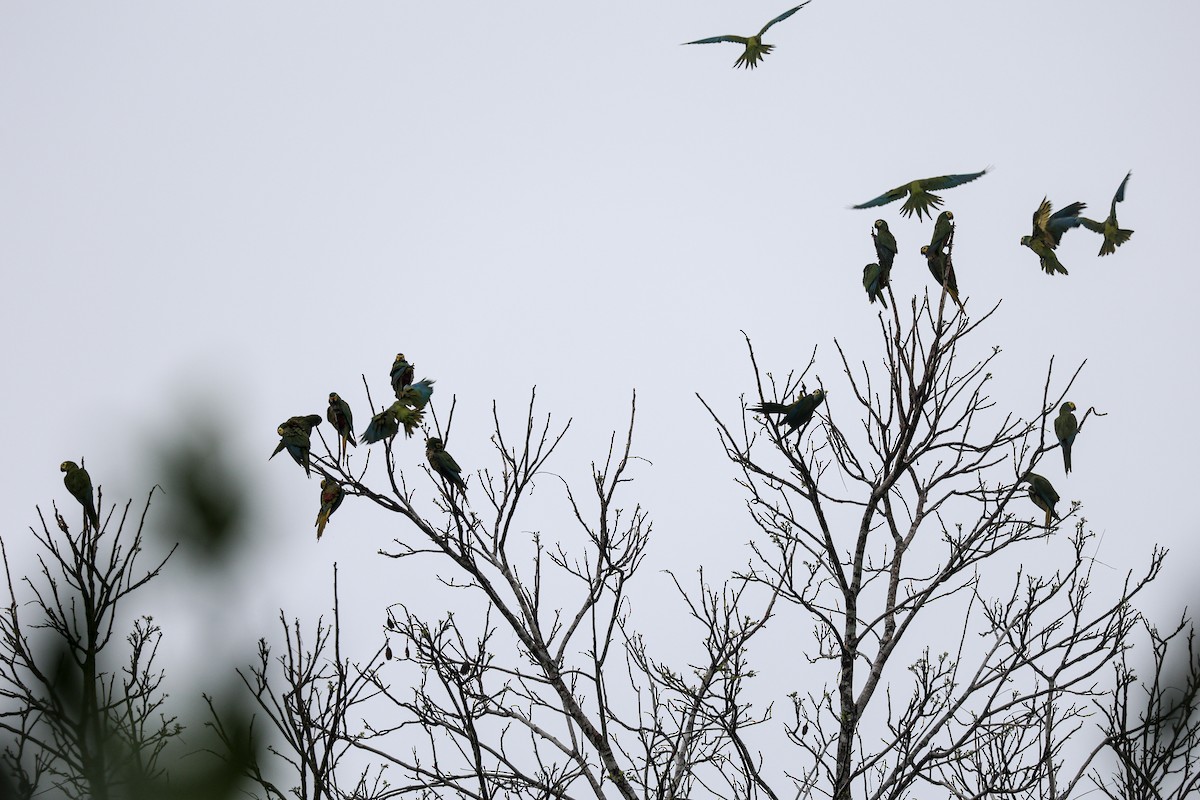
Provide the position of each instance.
(68, 466)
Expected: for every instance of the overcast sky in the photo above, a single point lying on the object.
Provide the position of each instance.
(241, 207)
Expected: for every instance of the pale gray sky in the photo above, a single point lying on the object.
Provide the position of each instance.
(245, 206)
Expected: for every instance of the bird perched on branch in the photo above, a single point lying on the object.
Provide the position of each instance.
(797, 414)
(942, 268)
(332, 495)
(755, 49)
(1065, 429)
(402, 373)
(79, 484)
(885, 247)
(1114, 235)
(1042, 493)
(295, 435)
(443, 463)
(921, 198)
(342, 420)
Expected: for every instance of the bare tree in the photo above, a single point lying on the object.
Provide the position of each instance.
(79, 724)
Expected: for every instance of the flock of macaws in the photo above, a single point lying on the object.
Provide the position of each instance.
(411, 397)
(406, 412)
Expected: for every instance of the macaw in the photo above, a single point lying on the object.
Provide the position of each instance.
(402, 373)
(921, 200)
(416, 395)
(942, 269)
(410, 418)
(874, 279)
(755, 49)
(79, 484)
(1049, 228)
(797, 414)
(332, 495)
(1065, 428)
(1114, 235)
(443, 463)
(383, 425)
(942, 230)
(342, 420)
(1046, 256)
(295, 435)
(885, 247)
(1042, 494)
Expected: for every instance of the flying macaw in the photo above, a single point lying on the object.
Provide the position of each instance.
(1114, 235)
(79, 484)
(295, 435)
(874, 279)
(1065, 428)
(921, 200)
(410, 418)
(416, 395)
(1042, 494)
(383, 425)
(885, 247)
(755, 49)
(332, 495)
(342, 420)
(942, 269)
(1046, 256)
(797, 414)
(443, 463)
(402, 373)
(942, 230)
(1049, 228)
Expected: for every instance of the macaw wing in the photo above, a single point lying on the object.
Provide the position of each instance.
(890, 196)
(1119, 197)
(716, 39)
(1042, 216)
(948, 181)
(783, 16)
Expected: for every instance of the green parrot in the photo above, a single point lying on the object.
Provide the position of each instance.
(332, 495)
(942, 269)
(942, 230)
(295, 435)
(409, 418)
(383, 425)
(874, 279)
(1046, 256)
(797, 414)
(402, 373)
(1042, 494)
(755, 49)
(1065, 428)
(921, 200)
(342, 420)
(443, 463)
(416, 395)
(1049, 228)
(1114, 235)
(79, 484)
(885, 248)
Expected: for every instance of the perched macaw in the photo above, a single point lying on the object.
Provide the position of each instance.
(1114, 235)
(942, 230)
(402, 373)
(755, 49)
(874, 279)
(1065, 428)
(797, 414)
(1042, 494)
(332, 495)
(383, 425)
(416, 395)
(79, 484)
(295, 435)
(443, 463)
(1049, 228)
(942, 269)
(921, 200)
(885, 247)
(342, 420)
(1046, 256)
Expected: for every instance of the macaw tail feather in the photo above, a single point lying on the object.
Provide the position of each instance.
(322, 521)
(770, 408)
(1066, 448)
(1119, 238)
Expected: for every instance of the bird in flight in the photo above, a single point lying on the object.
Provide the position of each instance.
(755, 49)
(921, 198)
